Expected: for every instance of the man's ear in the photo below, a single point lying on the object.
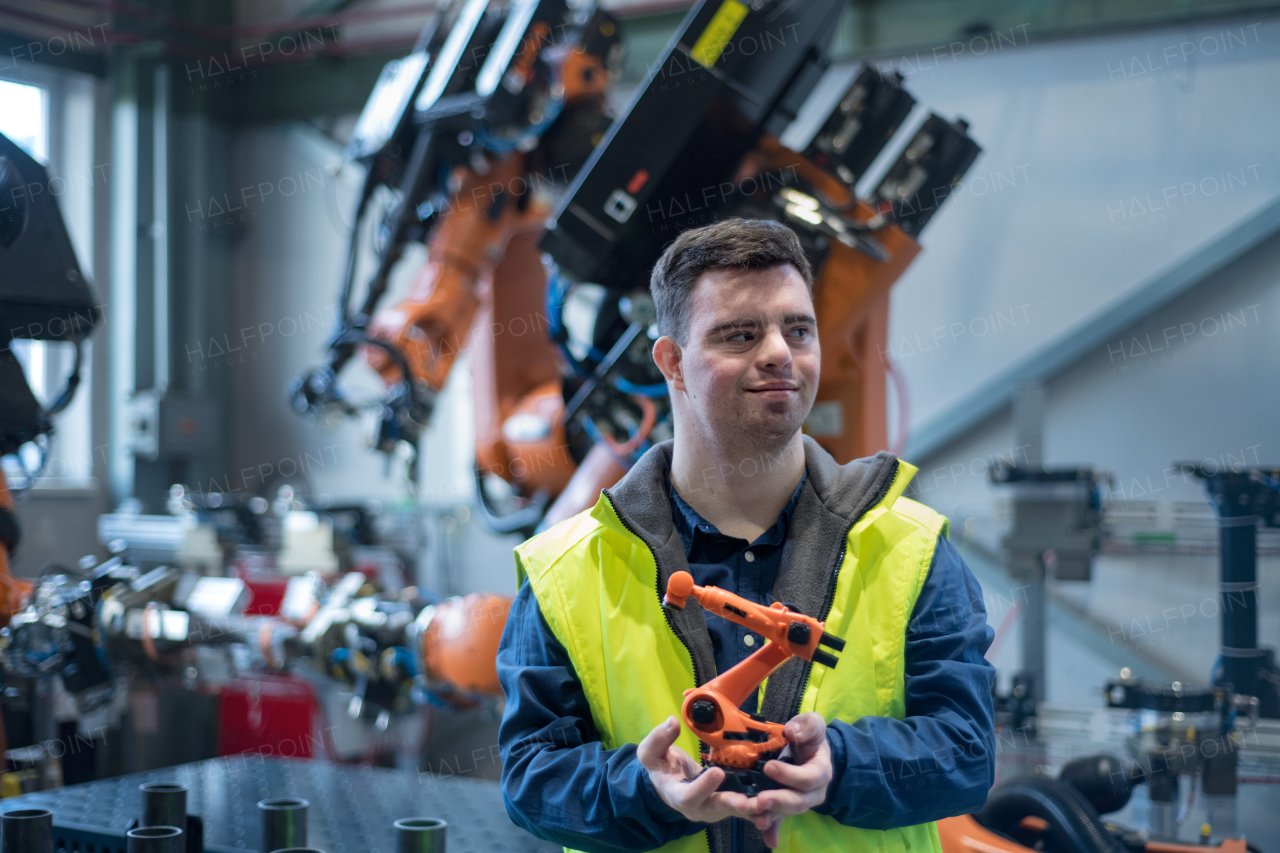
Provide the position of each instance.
(666, 354)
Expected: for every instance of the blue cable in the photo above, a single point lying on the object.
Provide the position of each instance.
(405, 659)
(592, 430)
(499, 145)
(554, 306)
(652, 391)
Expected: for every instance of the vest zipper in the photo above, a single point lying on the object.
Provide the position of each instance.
(830, 599)
(657, 584)
(822, 617)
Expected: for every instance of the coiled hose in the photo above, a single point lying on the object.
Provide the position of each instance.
(1073, 822)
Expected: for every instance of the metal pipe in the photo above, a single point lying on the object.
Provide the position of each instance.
(420, 835)
(1240, 654)
(163, 804)
(1237, 496)
(155, 839)
(26, 831)
(284, 823)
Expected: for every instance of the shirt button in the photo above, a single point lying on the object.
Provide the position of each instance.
(749, 557)
(749, 640)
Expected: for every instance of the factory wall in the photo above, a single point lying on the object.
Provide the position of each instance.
(1203, 399)
(1107, 161)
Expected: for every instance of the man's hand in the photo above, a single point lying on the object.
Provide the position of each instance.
(806, 779)
(684, 785)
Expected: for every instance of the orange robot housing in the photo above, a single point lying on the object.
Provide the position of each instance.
(460, 643)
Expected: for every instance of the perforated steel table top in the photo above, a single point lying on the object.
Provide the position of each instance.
(352, 809)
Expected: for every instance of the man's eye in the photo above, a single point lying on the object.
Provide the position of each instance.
(738, 337)
(803, 330)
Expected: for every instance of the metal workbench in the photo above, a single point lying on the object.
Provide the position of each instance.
(351, 808)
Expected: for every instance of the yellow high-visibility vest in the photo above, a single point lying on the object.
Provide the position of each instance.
(597, 584)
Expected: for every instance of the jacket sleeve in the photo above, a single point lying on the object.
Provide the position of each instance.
(939, 760)
(558, 781)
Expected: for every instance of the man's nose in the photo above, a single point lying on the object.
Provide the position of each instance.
(774, 351)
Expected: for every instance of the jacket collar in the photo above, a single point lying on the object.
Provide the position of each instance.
(844, 491)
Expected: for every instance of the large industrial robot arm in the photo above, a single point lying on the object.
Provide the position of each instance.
(470, 153)
(459, 151)
(731, 145)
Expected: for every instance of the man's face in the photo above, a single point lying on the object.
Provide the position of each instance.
(750, 362)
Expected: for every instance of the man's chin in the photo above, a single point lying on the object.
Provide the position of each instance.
(771, 433)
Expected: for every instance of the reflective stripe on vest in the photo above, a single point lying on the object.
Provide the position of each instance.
(596, 585)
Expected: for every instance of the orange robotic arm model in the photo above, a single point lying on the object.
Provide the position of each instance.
(740, 742)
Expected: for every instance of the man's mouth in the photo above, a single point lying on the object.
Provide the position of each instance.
(774, 386)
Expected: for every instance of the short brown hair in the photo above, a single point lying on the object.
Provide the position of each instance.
(742, 244)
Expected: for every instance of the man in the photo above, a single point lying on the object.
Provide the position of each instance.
(898, 735)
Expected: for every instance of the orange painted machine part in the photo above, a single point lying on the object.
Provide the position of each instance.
(600, 469)
(585, 76)
(735, 738)
(540, 463)
(515, 371)
(851, 300)
(964, 834)
(484, 265)
(851, 297)
(460, 645)
(13, 591)
(432, 323)
(484, 285)
(772, 155)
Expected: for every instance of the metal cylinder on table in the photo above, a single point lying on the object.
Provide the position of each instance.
(163, 804)
(284, 823)
(420, 835)
(26, 831)
(155, 839)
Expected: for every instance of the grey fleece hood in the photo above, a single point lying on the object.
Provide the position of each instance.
(833, 499)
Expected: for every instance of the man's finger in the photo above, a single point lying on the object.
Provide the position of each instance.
(783, 802)
(805, 732)
(771, 833)
(801, 777)
(808, 726)
(738, 805)
(694, 794)
(652, 751)
(682, 763)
